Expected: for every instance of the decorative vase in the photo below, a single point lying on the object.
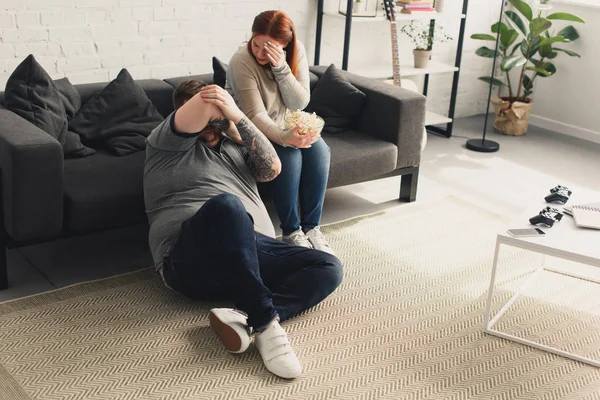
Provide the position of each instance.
(421, 58)
(511, 118)
(359, 7)
(439, 6)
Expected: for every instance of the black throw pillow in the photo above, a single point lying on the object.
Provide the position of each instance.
(219, 72)
(33, 95)
(336, 100)
(119, 117)
(69, 95)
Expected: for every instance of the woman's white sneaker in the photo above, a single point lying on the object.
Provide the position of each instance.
(231, 327)
(318, 241)
(276, 351)
(297, 238)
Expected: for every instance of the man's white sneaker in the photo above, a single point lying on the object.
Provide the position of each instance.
(297, 238)
(316, 238)
(231, 327)
(276, 351)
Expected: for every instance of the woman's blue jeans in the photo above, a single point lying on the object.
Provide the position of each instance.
(299, 190)
(219, 256)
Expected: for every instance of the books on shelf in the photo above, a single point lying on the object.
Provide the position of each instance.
(417, 10)
(402, 2)
(587, 215)
(415, 6)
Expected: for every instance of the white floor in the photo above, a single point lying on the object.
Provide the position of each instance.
(512, 181)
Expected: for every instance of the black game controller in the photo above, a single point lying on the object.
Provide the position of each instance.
(558, 194)
(547, 217)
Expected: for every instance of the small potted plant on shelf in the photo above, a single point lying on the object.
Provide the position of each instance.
(359, 6)
(526, 43)
(420, 34)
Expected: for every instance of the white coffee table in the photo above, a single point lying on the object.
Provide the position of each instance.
(565, 241)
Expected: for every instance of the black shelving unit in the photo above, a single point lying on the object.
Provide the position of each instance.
(447, 131)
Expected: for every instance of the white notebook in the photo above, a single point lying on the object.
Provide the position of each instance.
(587, 215)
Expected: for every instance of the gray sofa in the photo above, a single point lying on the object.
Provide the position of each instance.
(45, 197)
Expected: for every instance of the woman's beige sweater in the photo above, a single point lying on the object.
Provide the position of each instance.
(266, 94)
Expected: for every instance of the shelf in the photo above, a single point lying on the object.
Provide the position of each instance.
(386, 71)
(378, 18)
(432, 118)
(400, 17)
(432, 68)
(428, 16)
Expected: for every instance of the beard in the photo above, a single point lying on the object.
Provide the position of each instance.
(213, 132)
(209, 135)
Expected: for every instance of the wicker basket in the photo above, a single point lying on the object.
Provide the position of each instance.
(511, 119)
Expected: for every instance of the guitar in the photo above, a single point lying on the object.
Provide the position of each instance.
(390, 11)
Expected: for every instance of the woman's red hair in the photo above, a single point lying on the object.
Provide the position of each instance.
(280, 27)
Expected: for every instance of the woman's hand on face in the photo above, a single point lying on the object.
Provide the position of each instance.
(275, 54)
(303, 141)
(219, 97)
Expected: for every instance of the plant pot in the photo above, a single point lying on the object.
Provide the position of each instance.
(421, 58)
(359, 7)
(511, 118)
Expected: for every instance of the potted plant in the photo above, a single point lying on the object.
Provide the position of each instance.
(439, 5)
(359, 6)
(526, 50)
(423, 38)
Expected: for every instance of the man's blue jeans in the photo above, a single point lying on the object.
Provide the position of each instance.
(304, 175)
(219, 256)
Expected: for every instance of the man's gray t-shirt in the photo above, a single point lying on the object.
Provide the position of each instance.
(182, 173)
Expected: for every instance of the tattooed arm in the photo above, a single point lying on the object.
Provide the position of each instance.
(262, 158)
(232, 133)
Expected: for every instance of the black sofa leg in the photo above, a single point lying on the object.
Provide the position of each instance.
(3, 265)
(3, 262)
(408, 185)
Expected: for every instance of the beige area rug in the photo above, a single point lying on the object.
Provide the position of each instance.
(405, 324)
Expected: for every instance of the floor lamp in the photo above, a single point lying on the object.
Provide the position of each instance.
(482, 145)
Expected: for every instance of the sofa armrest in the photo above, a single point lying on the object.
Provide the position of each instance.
(390, 113)
(31, 164)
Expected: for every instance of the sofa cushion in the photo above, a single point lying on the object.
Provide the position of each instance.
(95, 199)
(33, 95)
(119, 117)
(157, 90)
(356, 157)
(219, 72)
(336, 100)
(70, 97)
(313, 81)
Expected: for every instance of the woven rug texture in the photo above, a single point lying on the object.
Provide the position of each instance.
(406, 323)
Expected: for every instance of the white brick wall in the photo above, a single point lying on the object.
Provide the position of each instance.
(91, 40)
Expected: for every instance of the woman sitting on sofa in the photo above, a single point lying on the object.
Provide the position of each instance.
(268, 77)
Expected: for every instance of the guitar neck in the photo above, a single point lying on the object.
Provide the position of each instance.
(395, 59)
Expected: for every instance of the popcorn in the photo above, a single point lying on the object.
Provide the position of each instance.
(306, 122)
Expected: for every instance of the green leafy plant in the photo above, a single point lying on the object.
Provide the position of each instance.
(421, 35)
(526, 42)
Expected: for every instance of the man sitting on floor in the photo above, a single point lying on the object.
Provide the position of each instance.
(210, 234)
